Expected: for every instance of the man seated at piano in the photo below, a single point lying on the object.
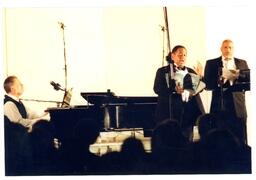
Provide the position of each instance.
(29, 128)
(14, 109)
(178, 98)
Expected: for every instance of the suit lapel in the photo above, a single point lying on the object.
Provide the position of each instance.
(237, 63)
(219, 62)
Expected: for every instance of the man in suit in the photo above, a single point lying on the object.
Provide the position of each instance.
(176, 99)
(222, 75)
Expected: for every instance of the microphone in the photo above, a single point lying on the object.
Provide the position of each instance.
(56, 86)
(162, 28)
(61, 25)
(167, 80)
(171, 63)
(171, 71)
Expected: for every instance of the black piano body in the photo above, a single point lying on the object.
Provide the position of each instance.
(65, 119)
(110, 111)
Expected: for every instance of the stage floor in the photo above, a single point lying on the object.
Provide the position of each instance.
(112, 140)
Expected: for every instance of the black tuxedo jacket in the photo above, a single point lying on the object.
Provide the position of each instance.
(234, 101)
(185, 113)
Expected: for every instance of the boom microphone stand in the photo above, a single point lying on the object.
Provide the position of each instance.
(170, 79)
(41, 101)
(163, 30)
(170, 61)
(62, 26)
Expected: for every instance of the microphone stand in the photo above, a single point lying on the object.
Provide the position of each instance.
(163, 29)
(171, 72)
(220, 84)
(167, 28)
(171, 75)
(62, 26)
(42, 101)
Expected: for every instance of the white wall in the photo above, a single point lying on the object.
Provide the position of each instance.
(107, 48)
(234, 22)
(34, 47)
(118, 48)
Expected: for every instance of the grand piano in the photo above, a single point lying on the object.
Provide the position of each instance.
(110, 111)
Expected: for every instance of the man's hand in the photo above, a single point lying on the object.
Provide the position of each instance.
(179, 89)
(198, 69)
(185, 95)
(230, 74)
(30, 128)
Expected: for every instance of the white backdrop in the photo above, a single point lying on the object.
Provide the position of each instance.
(117, 48)
(107, 48)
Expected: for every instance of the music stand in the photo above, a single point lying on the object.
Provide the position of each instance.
(97, 98)
(242, 84)
(67, 98)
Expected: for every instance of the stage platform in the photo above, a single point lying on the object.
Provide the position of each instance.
(112, 140)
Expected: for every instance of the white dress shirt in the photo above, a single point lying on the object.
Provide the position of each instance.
(228, 64)
(13, 114)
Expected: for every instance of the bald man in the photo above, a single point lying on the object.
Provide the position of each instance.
(221, 75)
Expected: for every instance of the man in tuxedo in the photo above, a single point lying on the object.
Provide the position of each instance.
(222, 75)
(176, 98)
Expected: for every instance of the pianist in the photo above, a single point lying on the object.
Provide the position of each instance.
(26, 135)
(14, 109)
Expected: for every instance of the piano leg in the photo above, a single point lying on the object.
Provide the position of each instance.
(106, 118)
(117, 116)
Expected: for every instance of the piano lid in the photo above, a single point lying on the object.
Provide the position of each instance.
(99, 98)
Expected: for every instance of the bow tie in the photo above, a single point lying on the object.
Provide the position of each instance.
(180, 68)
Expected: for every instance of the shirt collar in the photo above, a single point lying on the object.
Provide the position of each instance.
(179, 68)
(13, 97)
(230, 64)
(229, 59)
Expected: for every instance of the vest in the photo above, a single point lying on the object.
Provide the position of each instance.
(19, 105)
